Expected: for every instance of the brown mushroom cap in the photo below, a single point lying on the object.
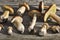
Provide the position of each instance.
(32, 12)
(51, 10)
(7, 7)
(26, 5)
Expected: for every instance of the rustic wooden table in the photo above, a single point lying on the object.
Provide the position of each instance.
(26, 36)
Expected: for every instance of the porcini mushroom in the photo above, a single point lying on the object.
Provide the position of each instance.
(23, 8)
(51, 12)
(34, 14)
(44, 29)
(1, 27)
(10, 32)
(7, 10)
(17, 21)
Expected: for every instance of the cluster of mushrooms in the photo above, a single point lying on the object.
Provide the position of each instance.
(46, 12)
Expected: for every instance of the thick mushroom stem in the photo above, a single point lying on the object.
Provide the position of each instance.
(21, 28)
(21, 10)
(31, 27)
(17, 21)
(56, 18)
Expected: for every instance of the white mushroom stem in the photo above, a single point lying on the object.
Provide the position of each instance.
(21, 10)
(5, 15)
(31, 27)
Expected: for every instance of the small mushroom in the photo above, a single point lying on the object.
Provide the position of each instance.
(10, 32)
(7, 10)
(44, 29)
(1, 27)
(23, 8)
(34, 14)
(17, 21)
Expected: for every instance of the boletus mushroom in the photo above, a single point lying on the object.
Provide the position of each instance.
(34, 14)
(10, 30)
(23, 8)
(7, 10)
(17, 21)
(51, 12)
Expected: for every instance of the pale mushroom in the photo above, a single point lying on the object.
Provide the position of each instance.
(17, 21)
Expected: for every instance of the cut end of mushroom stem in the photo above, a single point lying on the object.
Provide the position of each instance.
(10, 30)
(17, 21)
(31, 27)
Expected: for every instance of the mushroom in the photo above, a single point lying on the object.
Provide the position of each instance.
(41, 7)
(17, 21)
(7, 10)
(34, 14)
(51, 12)
(1, 27)
(44, 29)
(10, 30)
(55, 29)
(23, 8)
